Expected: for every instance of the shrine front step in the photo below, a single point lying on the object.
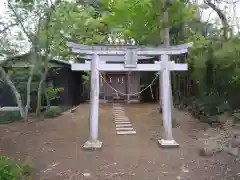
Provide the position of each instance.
(123, 125)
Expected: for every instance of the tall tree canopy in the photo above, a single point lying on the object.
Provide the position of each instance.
(141, 20)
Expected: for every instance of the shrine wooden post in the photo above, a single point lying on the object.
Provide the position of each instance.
(128, 55)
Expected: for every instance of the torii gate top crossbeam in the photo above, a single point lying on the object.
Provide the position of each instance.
(114, 58)
(121, 50)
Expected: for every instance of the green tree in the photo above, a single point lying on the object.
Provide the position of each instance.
(48, 27)
(24, 12)
(141, 20)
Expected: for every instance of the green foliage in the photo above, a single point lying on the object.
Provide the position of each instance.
(71, 21)
(215, 71)
(226, 71)
(198, 56)
(9, 116)
(53, 112)
(9, 170)
(53, 93)
(141, 20)
(25, 1)
(6, 46)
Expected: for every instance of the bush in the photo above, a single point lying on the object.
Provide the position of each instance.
(53, 112)
(52, 93)
(215, 72)
(9, 116)
(9, 170)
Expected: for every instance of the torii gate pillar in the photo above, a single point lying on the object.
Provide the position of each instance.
(168, 140)
(93, 143)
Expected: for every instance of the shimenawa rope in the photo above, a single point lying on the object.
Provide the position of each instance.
(131, 94)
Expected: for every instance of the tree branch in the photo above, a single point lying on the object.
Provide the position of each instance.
(19, 21)
(222, 17)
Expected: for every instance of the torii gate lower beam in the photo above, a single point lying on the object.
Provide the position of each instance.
(120, 67)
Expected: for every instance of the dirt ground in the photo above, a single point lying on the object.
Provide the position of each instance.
(55, 148)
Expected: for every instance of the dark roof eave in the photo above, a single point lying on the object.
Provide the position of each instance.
(3, 62)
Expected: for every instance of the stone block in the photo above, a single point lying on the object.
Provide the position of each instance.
(92, 145)
(168, 143)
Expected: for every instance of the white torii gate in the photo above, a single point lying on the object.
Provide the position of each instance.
(129, 55)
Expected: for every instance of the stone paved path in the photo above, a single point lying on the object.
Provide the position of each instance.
(123, 125)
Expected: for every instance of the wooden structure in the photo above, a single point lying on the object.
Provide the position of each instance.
(125, 82)
(129, 55)
(60, 75)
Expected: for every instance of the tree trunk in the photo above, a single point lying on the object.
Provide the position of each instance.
(39, 98)
(14, 90)
(34, 58)
(47, 51)
(40, 87)
(46, 95)
(28, 94)
(166, 42)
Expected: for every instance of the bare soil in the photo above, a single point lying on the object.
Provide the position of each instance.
(55, 148)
